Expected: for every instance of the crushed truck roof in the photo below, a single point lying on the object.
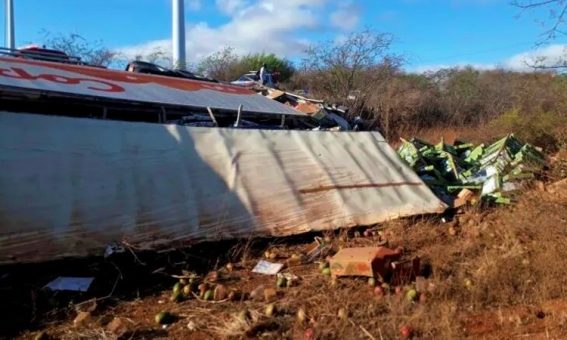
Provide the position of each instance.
(92, 83)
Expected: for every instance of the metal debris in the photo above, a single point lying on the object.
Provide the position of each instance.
(327, 117)
(318, 249)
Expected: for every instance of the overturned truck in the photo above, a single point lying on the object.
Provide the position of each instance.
(91, 157)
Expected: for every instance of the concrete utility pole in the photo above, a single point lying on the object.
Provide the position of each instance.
(178, 34)
(10, 41)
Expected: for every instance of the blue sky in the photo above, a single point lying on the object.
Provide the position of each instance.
(430, 33)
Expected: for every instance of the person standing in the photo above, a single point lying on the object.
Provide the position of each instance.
(276, 77)
(263, 74)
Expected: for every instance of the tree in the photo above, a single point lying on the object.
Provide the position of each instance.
(156, 56)
(555, 28)
(352, 72)
(406, 103)
(351, 67)
(220, 65)
(75, 45)
(227, 65)
(272, 62)
(557, 13)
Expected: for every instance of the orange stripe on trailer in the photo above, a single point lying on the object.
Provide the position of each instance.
(128, 77)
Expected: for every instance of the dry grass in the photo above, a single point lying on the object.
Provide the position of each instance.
(480, 134)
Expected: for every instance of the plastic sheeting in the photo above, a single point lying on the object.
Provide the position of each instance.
(65, 80)
(70, 186)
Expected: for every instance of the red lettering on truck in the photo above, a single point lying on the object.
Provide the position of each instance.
(95, 84)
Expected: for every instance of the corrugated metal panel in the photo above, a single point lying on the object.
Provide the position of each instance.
(145, 88)
(70, 186)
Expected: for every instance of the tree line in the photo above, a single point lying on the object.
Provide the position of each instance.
(362, 73)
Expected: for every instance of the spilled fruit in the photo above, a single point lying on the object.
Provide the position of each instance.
(411, 295)
(163, 318)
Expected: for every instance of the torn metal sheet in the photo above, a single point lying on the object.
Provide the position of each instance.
(302, 98)
(308, 108)
(275, 94)
(71, 186)
(60, 79)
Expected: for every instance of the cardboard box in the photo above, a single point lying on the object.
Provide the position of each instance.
(404, 272)
(364, 261)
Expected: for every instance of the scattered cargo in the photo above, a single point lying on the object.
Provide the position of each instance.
(325, 117)
(458, 172)
(367, 261)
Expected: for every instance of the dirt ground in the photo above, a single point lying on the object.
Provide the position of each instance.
(490, 272)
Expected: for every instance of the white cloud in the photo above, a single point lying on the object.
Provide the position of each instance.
(130, 52)
(346, 17)
(254, 26)
(546, 56)
(551, 55)
(230, 7)
(460, 65)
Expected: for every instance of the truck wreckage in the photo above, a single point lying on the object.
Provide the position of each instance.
(92, 157)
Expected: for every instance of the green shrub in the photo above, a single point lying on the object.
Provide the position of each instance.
(544, 129)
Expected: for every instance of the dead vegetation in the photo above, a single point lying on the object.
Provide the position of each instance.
(363, 74)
